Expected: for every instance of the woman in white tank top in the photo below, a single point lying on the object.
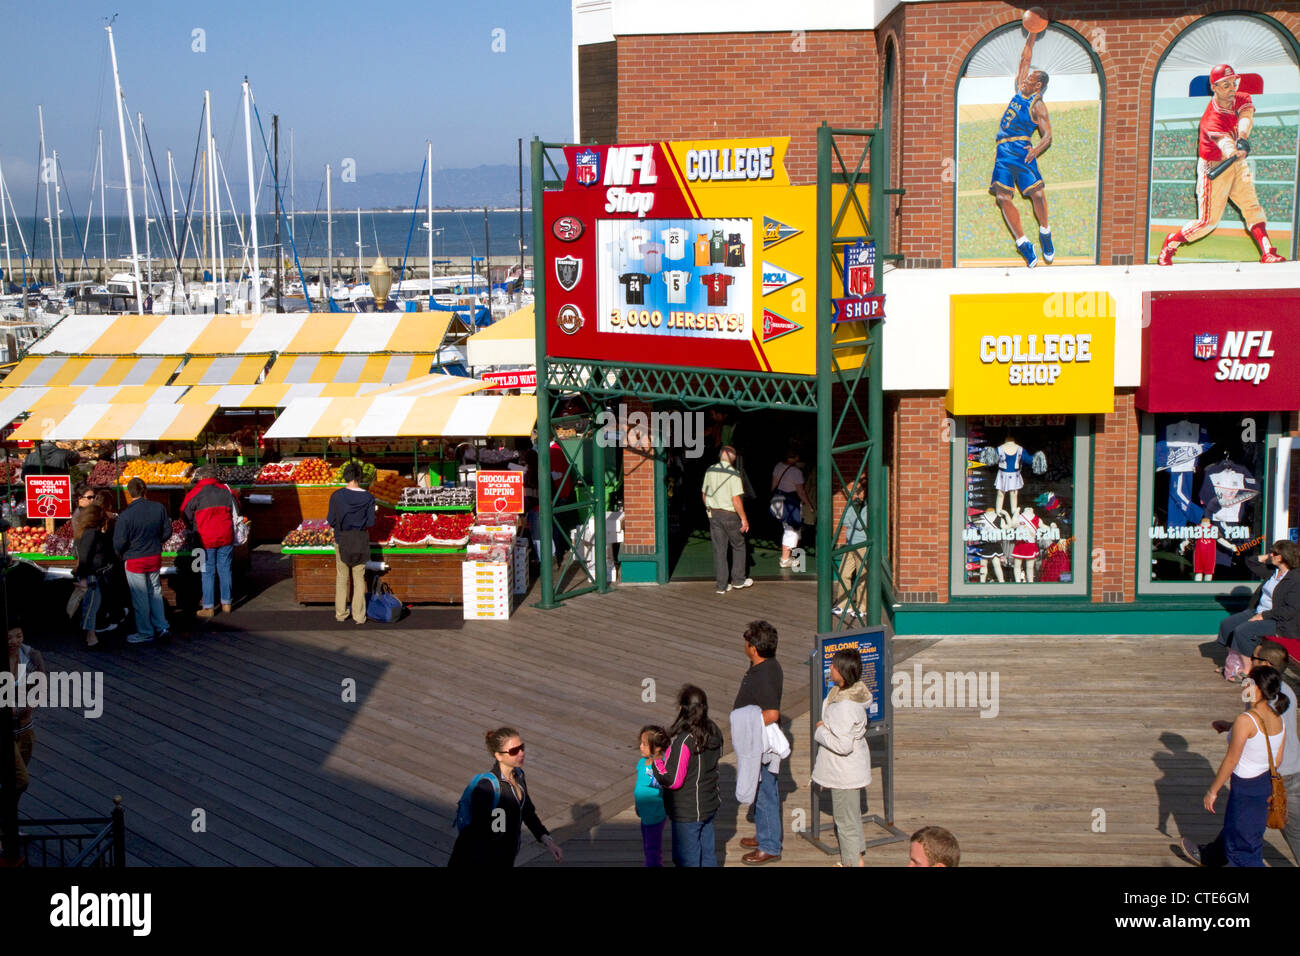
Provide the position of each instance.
(1254, 733)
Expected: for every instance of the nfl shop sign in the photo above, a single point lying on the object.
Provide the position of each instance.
(526, 378)
(1221, 351)
(1015, 354)
(859, 310)
(49, 496)
(500, 492)
(860, 269)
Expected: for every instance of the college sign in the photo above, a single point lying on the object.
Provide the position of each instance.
(1032, 353)
(695, 253)
(1220, 351)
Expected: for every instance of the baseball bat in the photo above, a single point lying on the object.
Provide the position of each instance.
(1221, 167)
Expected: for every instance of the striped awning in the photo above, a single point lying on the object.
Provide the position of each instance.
(275, 395)
(319, 369)
(389, 416)
(223, 370)
(508, 341)
(80, 371)
(16, 401)
(408, 332)
(437, 383)
(80, 422)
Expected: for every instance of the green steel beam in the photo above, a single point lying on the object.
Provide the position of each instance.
(826, 565)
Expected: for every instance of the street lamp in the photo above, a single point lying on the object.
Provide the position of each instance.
(381, 280)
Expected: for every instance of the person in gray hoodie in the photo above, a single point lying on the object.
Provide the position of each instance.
(843, 763)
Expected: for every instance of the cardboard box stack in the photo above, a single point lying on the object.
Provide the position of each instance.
(488, 576)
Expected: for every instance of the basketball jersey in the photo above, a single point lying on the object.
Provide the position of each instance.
(716, 283)
(1217, 123)
(1018, 121)
(674, 243)
(702, 249)
(634, 282)
(717, 248)
(677, 282)
(735, 250)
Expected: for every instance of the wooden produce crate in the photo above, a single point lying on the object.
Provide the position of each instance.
(420, 577)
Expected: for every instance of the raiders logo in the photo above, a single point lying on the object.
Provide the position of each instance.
(568, 270)
(567, 228)
(569, 319)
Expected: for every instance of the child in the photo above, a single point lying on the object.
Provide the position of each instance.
(649, 798)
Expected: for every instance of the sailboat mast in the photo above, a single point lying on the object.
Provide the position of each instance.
(45, 178)
(103, 211)
(275, 176)
(429, 159)
(329, 233)
(126, 173)
(58, 209)
(293, 202)
(358, 243)
(144, 189)
(210, 186)
(255, 293)
(4, 217)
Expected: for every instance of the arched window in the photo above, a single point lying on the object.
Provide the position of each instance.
(1001, 115)
(1191, 129)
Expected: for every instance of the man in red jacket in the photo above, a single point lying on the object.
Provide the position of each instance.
(209, 509)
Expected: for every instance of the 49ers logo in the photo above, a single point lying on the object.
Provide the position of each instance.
(569, 319)
(567, 228)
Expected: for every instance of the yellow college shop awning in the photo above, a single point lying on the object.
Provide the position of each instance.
(80, 371)
(387, 416)
(116, 422)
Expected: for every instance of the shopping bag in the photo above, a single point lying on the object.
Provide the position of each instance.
(382, 604)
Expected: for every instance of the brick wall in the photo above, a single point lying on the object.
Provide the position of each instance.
(920, 479)
(1114, 501)
(638, 488)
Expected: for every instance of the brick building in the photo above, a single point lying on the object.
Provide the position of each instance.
(1159, 482)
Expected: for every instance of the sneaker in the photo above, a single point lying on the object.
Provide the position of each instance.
(723, 590)
(1026, 250)
(206, 612)
(786, 562)
(1191, 850)
(165, 637)
(226, 609)
(1166, 257)
(749, 583)
(139, 639)
(1272, 257)
(1049, 250)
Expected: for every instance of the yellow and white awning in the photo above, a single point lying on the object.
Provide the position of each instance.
(223, 370)
(16, 401)
(510, 341)
(275, 395)
(80, 371)
(155, 422)
(435, 384)
(320, 369)
(390, 416)
(409, 332)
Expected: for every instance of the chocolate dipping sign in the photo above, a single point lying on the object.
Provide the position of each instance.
(500, 492)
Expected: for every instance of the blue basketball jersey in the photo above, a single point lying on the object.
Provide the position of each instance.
(1017, 121)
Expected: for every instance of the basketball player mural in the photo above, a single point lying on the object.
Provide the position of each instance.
(1221, 171)
(1016, 163)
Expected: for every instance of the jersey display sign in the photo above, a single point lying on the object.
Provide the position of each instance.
(1221, 351)
(655, 256)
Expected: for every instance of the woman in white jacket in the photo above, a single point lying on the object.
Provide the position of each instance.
(843, 763)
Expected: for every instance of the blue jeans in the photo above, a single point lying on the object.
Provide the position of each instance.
(216, 561)
(767, 813)
(693, 843)
(90, 603)
(147, 600)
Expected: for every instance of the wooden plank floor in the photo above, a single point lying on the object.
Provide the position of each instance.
(246, 722)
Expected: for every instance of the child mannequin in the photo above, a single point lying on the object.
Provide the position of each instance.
(1025, 552)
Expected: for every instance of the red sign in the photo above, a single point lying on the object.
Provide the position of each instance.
(522, 379)
(49, 496)
(1221, 351)
(859, 309)
(500, 492)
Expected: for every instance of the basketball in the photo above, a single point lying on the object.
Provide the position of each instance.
(1035, 20)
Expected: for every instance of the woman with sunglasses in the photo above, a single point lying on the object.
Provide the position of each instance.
(500, 807)
(1274, 608)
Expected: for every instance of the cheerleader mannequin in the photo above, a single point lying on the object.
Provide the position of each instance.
(990, 525)
(1025, 552)
(1010, 457)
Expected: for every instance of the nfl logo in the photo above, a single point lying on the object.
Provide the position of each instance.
(859, 268)
(1205, 346)
(586, 167)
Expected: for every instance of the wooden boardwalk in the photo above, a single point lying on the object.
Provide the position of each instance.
(243, 728)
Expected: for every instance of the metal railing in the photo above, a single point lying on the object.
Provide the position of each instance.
(75, 841)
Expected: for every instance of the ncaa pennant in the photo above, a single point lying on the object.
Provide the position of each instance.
(775, 278)
(859, 268)
(775, 231)
(568, 270)
(586, 167)
(775, 326)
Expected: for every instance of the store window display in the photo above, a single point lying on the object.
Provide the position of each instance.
(1206, 514)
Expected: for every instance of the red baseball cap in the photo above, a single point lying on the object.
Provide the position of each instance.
(1221, 72)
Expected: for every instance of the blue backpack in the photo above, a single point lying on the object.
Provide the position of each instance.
(464, 810)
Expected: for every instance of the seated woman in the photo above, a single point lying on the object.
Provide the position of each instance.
(1274, 608)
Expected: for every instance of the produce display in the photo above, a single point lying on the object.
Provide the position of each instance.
(26, 539)
(368, 472)
(313, 471)
(309, 538)
(237, 474)
(104, 474)
(10, 470)
(413, 530)
(389, 486)
(156, 472)
(177, 540)
(60, 543)
(232, 444)
(276, 473)
(413, 497)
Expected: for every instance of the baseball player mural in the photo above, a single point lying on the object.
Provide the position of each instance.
(1016, 163)
(1222, 173)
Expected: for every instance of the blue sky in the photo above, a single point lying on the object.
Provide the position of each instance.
(369, 81)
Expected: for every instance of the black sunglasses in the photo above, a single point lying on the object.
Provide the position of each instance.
(513, 751)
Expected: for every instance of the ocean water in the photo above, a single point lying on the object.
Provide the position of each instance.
(455, 234)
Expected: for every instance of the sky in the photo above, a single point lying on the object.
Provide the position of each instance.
(370, 82)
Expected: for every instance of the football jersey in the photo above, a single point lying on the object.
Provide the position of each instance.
(677, 282)
(717, 248)
(716, 283)
(702, 249)
(636, 240)
(674, 243)
(735, 250)
(634, 284)
(653, 257)
(1217, 123)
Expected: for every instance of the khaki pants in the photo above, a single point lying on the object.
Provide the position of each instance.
(1212, 196)
(852, 562)
(357, 575)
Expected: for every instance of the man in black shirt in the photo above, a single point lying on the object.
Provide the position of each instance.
(47, 458)
(761, 686)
